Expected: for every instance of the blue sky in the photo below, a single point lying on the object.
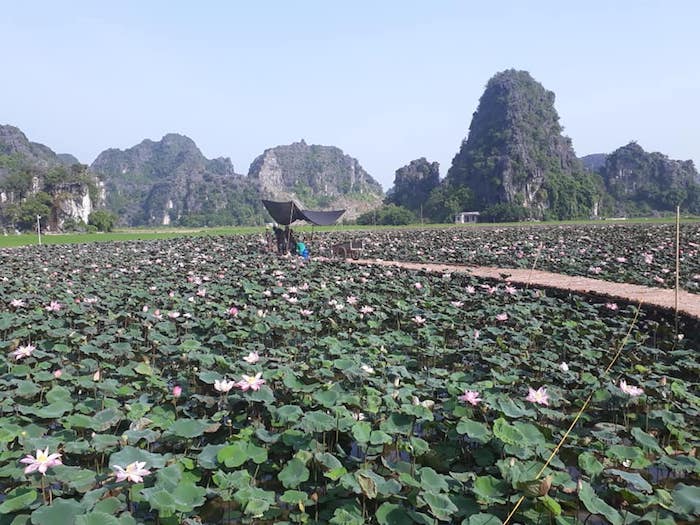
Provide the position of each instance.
(386, 81)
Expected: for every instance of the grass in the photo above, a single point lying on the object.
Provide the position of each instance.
(132, 234)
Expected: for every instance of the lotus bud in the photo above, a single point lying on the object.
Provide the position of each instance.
(96, 375)
(663, 381)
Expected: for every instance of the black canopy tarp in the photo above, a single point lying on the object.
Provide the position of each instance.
(288, 212)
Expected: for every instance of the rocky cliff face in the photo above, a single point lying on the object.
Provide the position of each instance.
(316, 176)
(413, 184)
(36, 181)
(644, 182)
(168, 182)
(515, 152)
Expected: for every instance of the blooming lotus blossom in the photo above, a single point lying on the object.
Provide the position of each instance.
(133, 472)
(251, 382)
(564, 367)
(96, 376)
(419, 320)
(538, 396)
(174, 315)
(502, 317)
(470, 289)
(366, 309)
(621, 259)
(457, 304)
(471, 397)
(54, 306)
(511, 290)
(418, 286)
(611, 306)
(177, 391)
(306, 313)
(22, 351)
(595, 270)
(201, 292)
(233, 311)
(631, 390)
(58, 373)
(223, 385)
(17, 303)
(251, 358)
(351, 299)
(41, 462)
(648, 258)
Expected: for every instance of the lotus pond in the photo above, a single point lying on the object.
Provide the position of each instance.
(188, 381)
(632, 253)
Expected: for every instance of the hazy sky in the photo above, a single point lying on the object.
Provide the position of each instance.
(386, 81)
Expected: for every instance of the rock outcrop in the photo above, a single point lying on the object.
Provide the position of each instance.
(36, 181)
(643, 183)
(320, 177)
(515, 153)
(171, 182)
(413, 184)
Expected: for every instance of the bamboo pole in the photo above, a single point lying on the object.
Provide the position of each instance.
(678, 258)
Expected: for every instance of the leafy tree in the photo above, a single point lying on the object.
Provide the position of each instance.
(103, 220)
(388, 215)
(39, 204)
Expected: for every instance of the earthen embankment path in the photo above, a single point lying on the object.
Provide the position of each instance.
(688, 303)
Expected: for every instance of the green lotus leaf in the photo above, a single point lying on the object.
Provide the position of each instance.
(293, 474)
(590, 464)
(431, 481)
(489, 489)
(105, 419)
(474, 430)
(633, 478)
(440, 505)
(347, 515)
(596, 505)
(361, 431)
(687, 498)
(288, 413)
(482, 518)
(255, 501)
(18, 499)
(507, 433)
(129, 455)
(61, 512)
(96, 518)
(392, 514)
(317, 422)
(647, 441)
(187, 428)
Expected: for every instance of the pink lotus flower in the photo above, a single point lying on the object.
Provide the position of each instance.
(41, 462)
(418, 286)
(595, 269)
(223, 385)
(177, 391)
(17, 303)
(233, 311)
(54, 306)
(477, 333)
(538, 396)
(502, 317)
(470, 289)
(252, 382)
(471, 397)
(96, 376)
(366, 309)
(306, 313)
(133, 472)
(511, 290)
(648, 258)
(174, 315)
(252, 358)
(58, 373)
(23, 351)
(621, 259)
(564, 367)
(611, 306)
(201, 292)
(457, 304)
(419, 320)
(351, 299)
(633, 391)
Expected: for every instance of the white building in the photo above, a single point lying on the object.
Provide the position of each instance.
(466, 217)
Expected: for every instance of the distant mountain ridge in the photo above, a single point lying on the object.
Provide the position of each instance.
(317, 176)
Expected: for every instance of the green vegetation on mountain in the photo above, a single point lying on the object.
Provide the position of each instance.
(641, 183)
(516, 155)
(413, 184)
(316, 176)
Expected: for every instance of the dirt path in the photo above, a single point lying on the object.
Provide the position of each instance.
(688, 303)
